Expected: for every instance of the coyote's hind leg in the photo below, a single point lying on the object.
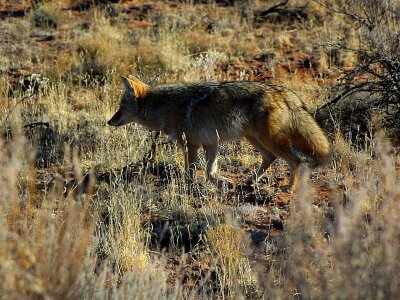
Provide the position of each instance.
(283, 150)
(267, 160)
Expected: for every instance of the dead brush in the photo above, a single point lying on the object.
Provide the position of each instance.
(52, 246)
(123, 240)
(347, 250)
(47, 15)
(104, 244)
(232, 268)
(101, 51)
(42, 248)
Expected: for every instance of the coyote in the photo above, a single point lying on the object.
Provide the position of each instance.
(273, 119)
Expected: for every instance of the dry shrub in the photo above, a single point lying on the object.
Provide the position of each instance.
(372, 38)
(52, 246)
(232, 267)
(125, 241)
(345, 158)
(104, 50)
(43, 246)
(47, 15)
(181, 38)
(162, 53)
(348, 251)
(226, 32)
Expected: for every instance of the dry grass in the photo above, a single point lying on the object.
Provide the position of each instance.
(234, 274)
(85, 213)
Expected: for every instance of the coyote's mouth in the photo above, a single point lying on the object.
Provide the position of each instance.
(117, 119)
(114, 123)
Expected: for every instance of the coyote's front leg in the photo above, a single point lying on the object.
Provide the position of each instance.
(211, 156)
(191, 158)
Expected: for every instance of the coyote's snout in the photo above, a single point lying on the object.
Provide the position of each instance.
(270, 117)
(118, 119)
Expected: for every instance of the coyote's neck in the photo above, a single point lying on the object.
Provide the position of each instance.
(152, 116)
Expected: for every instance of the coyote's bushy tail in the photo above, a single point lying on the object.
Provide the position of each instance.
(307, 135)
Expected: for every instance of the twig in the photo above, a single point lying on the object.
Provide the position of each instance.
(15, 106)
(349, 91)
(273, 8)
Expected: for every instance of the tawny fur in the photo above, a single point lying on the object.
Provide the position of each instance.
(270, 117)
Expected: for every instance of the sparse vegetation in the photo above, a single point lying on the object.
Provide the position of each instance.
(46, 16)
(370, 87)
(89, 211)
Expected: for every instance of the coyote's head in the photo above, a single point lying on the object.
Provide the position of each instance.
(135, 91)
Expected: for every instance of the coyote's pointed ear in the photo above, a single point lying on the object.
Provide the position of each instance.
(137, 80)
(127, 85)
(135, 87)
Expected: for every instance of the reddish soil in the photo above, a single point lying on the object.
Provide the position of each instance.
(273, 204)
